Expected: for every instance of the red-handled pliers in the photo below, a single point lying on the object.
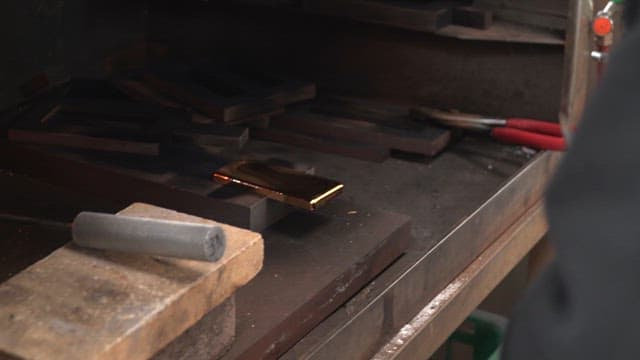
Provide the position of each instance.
(542, 135)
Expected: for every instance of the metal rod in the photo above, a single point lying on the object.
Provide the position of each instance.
(149, 236)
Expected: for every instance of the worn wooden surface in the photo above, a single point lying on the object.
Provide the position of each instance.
(314, 262)
(419, 139)
(208, 339)
(87, 304)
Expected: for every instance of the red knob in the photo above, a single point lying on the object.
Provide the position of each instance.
(602, 26)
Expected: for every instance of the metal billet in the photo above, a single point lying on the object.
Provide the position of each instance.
(149, 236)
(280, 183)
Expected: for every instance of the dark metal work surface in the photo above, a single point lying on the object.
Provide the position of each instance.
(314, 262)
(424, 334)
(397, 295)
(436, 193)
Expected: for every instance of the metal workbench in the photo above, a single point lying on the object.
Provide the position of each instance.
(476, 209)
(476, 212)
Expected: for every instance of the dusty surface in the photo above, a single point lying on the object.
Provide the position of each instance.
(85, 304)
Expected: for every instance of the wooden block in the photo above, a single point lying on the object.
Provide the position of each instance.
(420, 139)
(229, 103)
(189, 94)
(356, 108)
(322, 144)
(316, 262)
(137, 90)
(389, 117)
(291, 93)
(117, 119)
(213, 134)
(147, 113)
(208, 339)
(549, 15)
(88, 304)
(550, 7)
(247, 85)
(93, 131)
(472, 17)
(261, 121)
(153, 109)
(79, 141)
(419, 16)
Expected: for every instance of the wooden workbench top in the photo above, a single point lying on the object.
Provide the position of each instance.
(88, 304)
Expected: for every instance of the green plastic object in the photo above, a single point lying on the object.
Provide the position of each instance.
(485, 336)
(618, 1)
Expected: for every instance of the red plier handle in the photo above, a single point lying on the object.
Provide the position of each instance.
(535, 126)
(531, 139)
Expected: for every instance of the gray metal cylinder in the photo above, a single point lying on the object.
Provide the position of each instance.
(149, 236)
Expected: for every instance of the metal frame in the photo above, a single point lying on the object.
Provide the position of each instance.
(578, 65)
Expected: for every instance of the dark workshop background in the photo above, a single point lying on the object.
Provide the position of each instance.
(73, 37)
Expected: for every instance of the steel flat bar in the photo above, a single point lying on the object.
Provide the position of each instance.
(428, 330)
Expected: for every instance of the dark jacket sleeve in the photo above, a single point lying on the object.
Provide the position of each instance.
(587, 304)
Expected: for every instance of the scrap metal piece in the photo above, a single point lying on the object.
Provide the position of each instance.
(280, 183)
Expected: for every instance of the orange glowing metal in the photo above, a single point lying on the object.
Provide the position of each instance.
(280, 183)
